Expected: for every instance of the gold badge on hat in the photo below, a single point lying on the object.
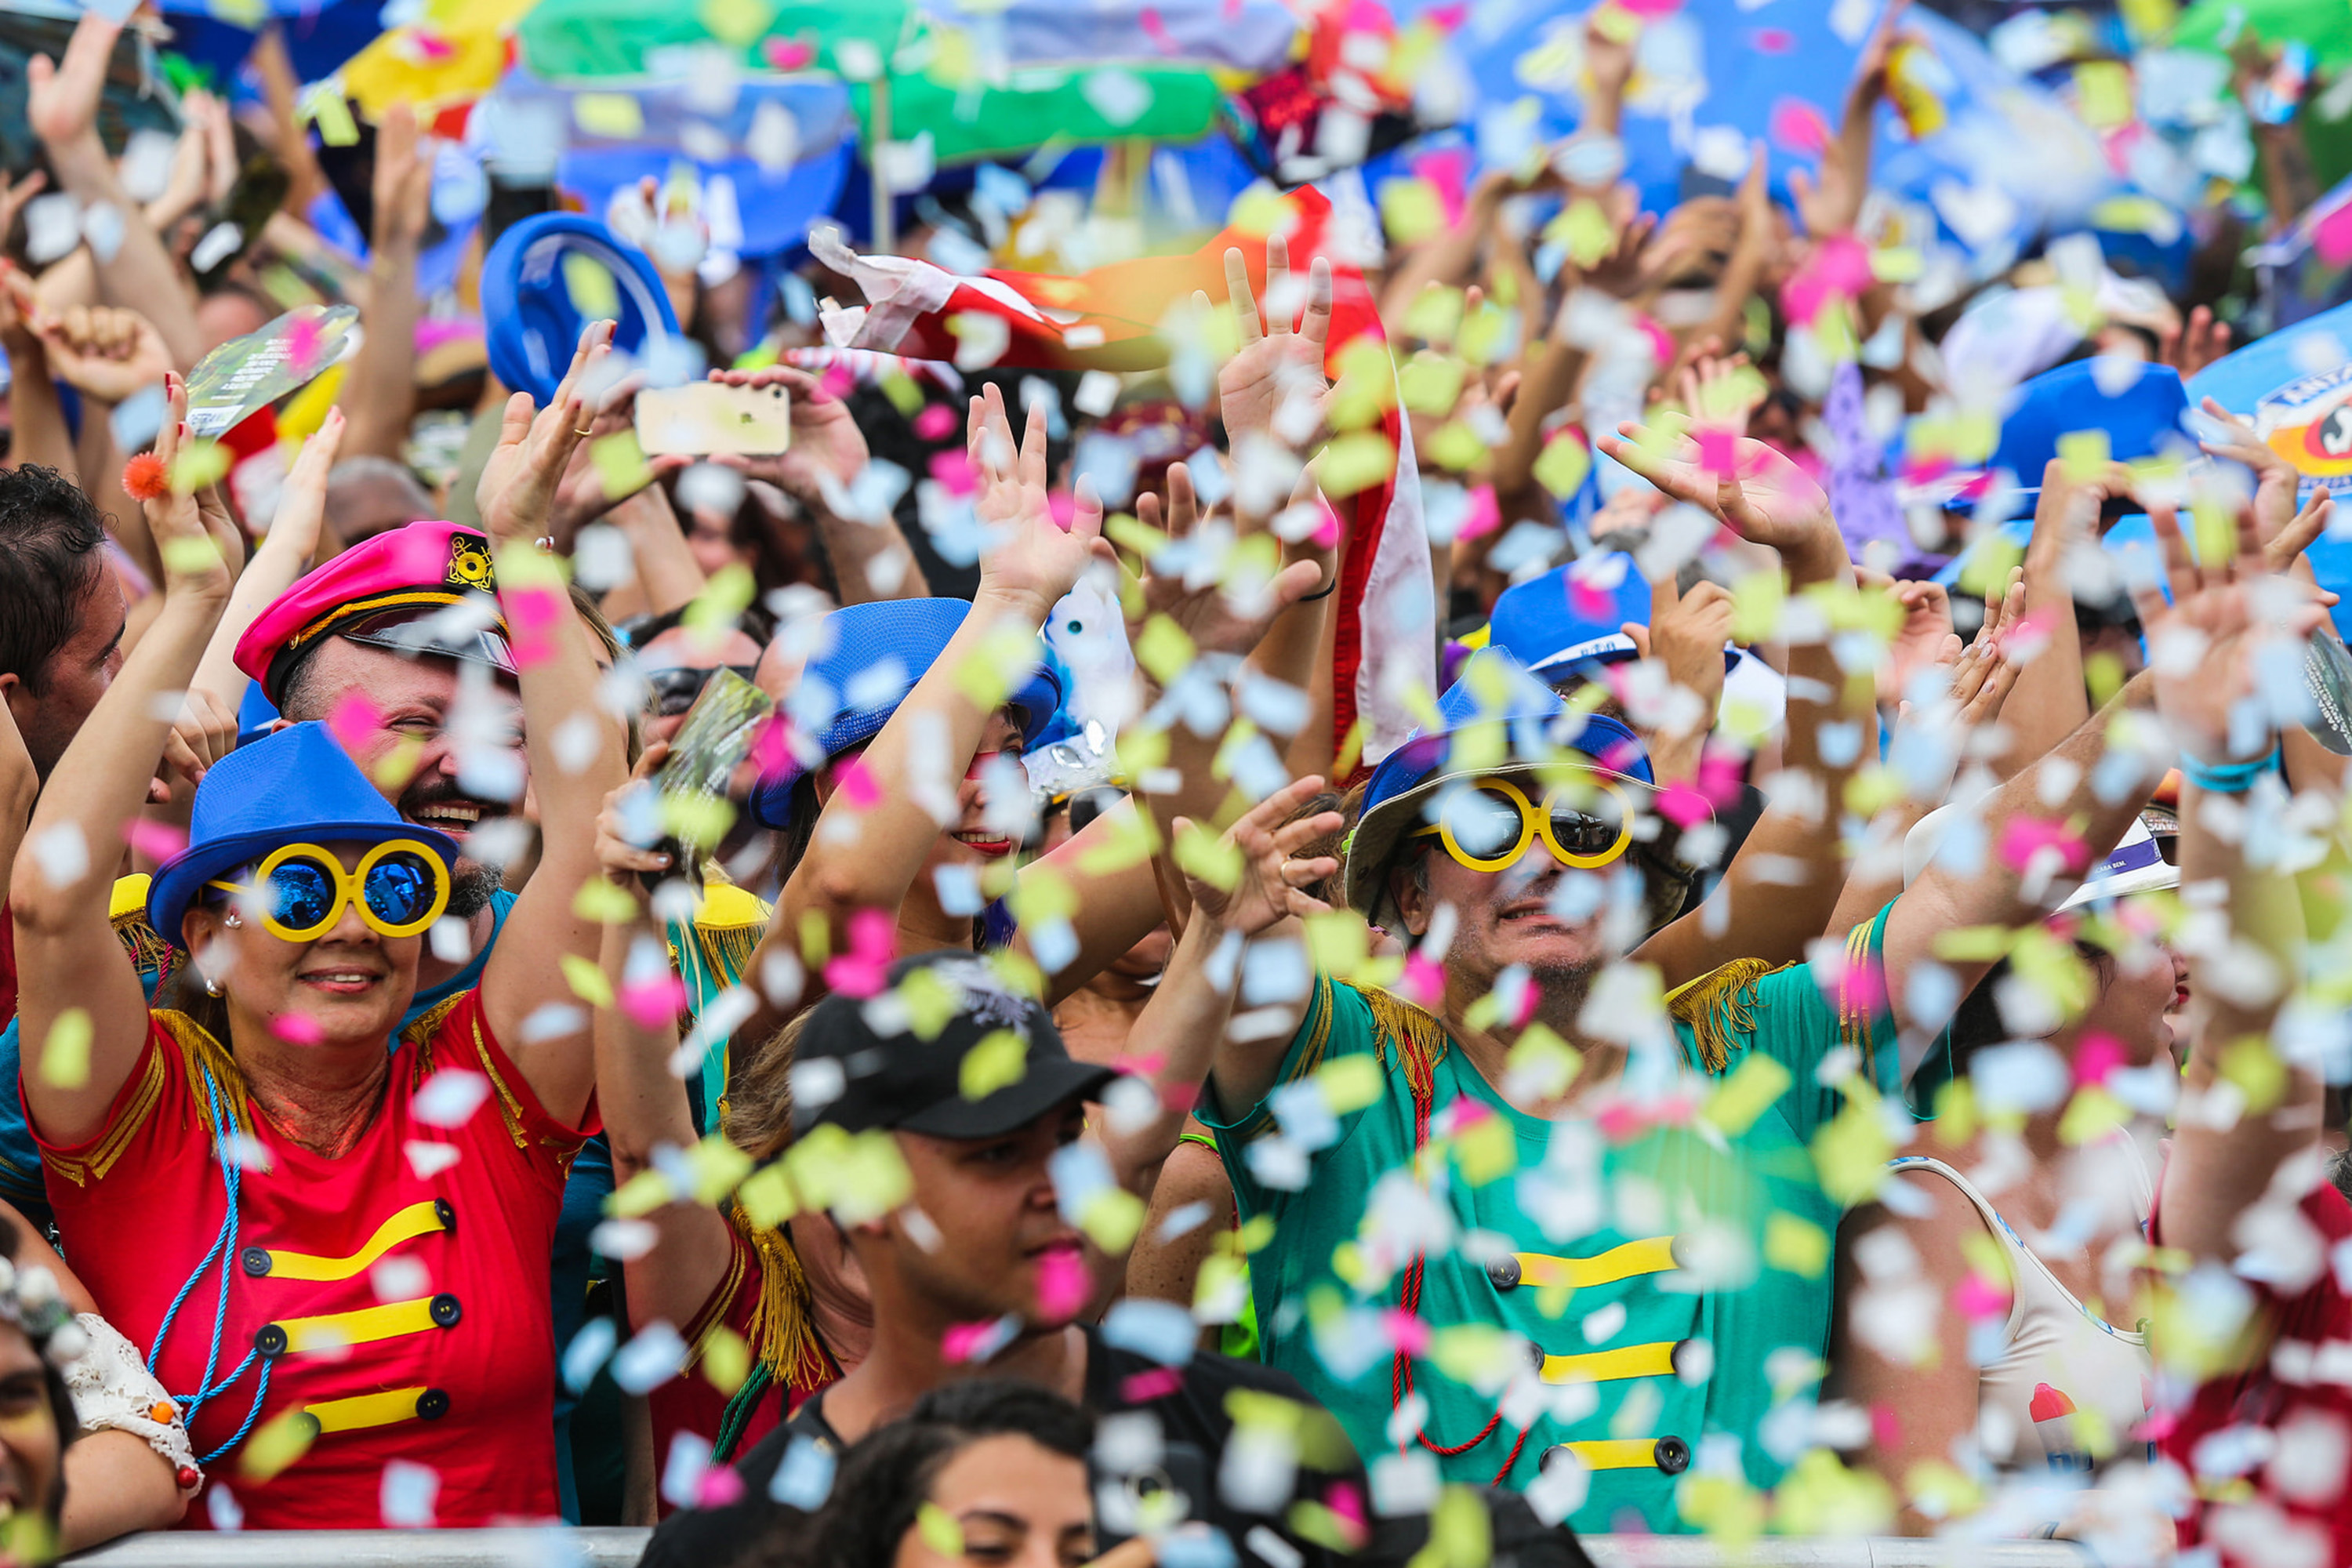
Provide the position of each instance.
(469, 562)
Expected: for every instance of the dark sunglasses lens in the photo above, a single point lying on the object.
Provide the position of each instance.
(1484, 823)
(1581, 833)
(676, 690)
(304, 894)
(1089, 804)
(400, 888)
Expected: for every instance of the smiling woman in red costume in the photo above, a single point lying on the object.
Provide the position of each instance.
(342, 1248)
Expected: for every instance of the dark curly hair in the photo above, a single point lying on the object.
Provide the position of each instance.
(50, 535)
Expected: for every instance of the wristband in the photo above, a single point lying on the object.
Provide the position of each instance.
(2228, 778)
(1325, 592)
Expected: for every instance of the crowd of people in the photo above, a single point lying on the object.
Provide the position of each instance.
(1586, 872)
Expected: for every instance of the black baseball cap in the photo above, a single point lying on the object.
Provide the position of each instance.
(902, 1067)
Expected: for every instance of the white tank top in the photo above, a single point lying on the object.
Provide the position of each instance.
(2062, 1372)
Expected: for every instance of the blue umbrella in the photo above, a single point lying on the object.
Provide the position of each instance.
(1714, 75)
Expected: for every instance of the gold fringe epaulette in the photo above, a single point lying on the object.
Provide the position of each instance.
(1421, 1041)
(127, 908)
(781, 1335)
(1717, 1005)
(200, 1050)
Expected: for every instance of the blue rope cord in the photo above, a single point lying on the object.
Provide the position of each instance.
(223, 1249)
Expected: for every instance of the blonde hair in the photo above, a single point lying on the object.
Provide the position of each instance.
(759, 1117)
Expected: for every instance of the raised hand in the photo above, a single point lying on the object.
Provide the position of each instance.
(301, 514)
(617, 849)
(1686, 634)
(516, 493)
(590, 488)
(827, 444)
(2202, 646)
(2191, 350)
(104, 352)
(62, 98)
(1181, 581)
(404, 179)
(197, 543)
(1760, 495)
(204, 733)
(1832, 202)
(1275, 365)
(2276, 480)
(1273, 873)
(1030, 557)
(1983, 674)
(1924, 639)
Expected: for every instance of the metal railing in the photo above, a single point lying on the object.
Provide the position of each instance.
(557, 1547)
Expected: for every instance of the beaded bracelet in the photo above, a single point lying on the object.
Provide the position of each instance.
(2228, 778)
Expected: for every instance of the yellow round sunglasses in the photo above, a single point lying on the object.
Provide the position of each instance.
(1489, 826)
(400, 886)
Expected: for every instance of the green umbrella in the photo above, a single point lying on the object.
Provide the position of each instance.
(908, 76)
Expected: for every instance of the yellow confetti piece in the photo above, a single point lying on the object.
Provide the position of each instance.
(1337, 943)
(1989, 563)
(1356, 461)
(1583, 230)
(736, 22)
(1754, 1086)
(1898, 264)
(640, 1195)
(999, 1061)
(198, 464)
(726, 1359)
(1164, 649)
(1111, 1219)
(276, 1444)
(65, 1055)
(1487, 1150)
(1726, 1507)
(1819, 1495)
(593, 293)
(1456, 446)
(587, 980)
(2103, 94)
(396, 767)
(859, 1176)
(615, 116)
(1431, 385)
(1350, 1083)
(1758, 600)
(1210, 856)
(2085, 454)
(331, 113)
(1564, 462)
(940, 1532)
(1041, 896)
(189, 557)
(1365, 388)
(621, 466)
(697, 820)
(717, 1165)
(1540, 1062)
(1476, 1354)
(1488, 335)
(1258, 211)
(904, 394)
(1412, 211)
(1850, 1154)
(1796, 1245)
(1005, 654)
(1125, 838)
(601, 901)
(767, 1197)
(2258, 1072)
(723, 599)
(1436, 314)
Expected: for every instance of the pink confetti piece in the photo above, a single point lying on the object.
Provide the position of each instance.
(719, 1487)
(1649, 10)
(856, 784)
(954, 469)
(1405, 1332)
(1062, 1284)
(1844, 263)
(786, 54)
(532, 616)
(1771, 40)
(1448, 172)
(936, 422)
(2332, 236)
(1590, 601)
(2096, 1057)
(1885, 1426)
(874, 934)
(1719, 775)
(1327, 533)
(967, 1342)
(1145, 1066)
(154, 840)
(1977, 1298)
(1423, 982)
(1798, 127)
(1661, 343)
(2024, 837)
(433, 48)
(296, 1030)
(854, 976)
(1145, 1386)
(354, 720)
(1063, 507)
(302, 343)
(772, 748)
(1154, 28)
(653, 1003)
(1719, 452)
(1864, 989)
(1684, 805)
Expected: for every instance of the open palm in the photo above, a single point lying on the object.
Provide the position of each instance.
(1765, 499)
(1273, 872)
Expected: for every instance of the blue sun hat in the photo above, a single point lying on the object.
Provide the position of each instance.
(528, 306)
(2141, 419)
(296, 786)
(1539, 732)
(1542, 623)
(872, 655)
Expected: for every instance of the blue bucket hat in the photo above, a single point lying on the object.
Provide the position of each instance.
(532, 322)
(1539, 729)
(296, 786)
(872, 655)
(1539, 624)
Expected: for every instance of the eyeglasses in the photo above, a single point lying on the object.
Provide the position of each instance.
(401, 888)
(674, 689)
(1488, 826)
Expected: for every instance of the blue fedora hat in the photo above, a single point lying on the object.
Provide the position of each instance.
(533, 324)
(1538, 622)
(2140, 420)
(1541, 730)
(296, 786)
(872, 655)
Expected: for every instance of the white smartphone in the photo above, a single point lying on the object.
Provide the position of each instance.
(706, 417)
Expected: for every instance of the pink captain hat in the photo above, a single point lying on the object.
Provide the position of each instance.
(387, 592)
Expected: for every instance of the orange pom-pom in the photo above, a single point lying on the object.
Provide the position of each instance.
(144, 478)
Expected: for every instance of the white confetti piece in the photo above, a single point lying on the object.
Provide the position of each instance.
(450, 1096)
(62, 854)
(409, 1493)
(429, 1160)
(649, 1360)
(220, 242)
(52, 227)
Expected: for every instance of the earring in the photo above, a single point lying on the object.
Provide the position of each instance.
(233, 921)
(212, 987)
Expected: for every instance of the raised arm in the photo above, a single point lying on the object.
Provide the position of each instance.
(283, 555)
(381, 393)
(62, 106)
(68, 958)
(643, 1102)
(1241, 888)
(575, 747)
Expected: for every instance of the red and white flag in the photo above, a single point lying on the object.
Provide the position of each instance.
(1110, 319)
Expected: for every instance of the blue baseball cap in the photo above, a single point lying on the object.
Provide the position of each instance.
(533, 324)
(874, 653)
(1538, 623)
(296, 786)
(2140, 420)
(1539, 731)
